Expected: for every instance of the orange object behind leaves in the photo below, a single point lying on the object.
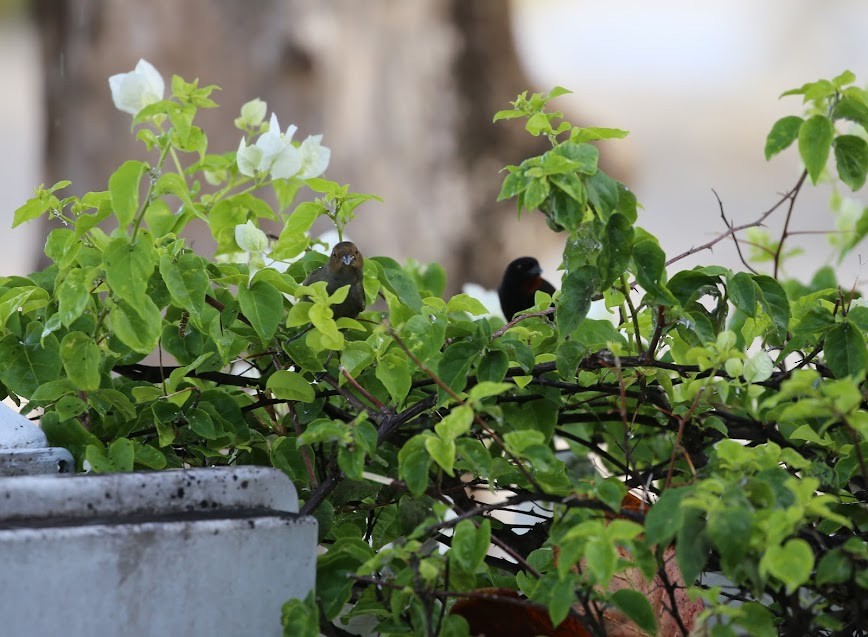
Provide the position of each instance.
(507, 613)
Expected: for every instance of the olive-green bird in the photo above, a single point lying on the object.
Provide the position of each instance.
(344, 267)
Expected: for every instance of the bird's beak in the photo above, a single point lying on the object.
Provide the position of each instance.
(535, 271)
(347, 259)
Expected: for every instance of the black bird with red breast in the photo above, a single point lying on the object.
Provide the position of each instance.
(521, 280)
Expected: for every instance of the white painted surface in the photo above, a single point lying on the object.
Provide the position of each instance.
(163, 553)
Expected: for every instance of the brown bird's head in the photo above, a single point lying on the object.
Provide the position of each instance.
(346, 259)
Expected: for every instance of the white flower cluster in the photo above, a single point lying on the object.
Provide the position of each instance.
(141, 87)
(274, 153)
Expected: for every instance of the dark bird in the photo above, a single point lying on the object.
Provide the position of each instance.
(520, 281)
(344, 267)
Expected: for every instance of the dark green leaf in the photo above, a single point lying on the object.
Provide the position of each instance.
(845, 350)
(399, 282)
(649, 262)
(851, 158)
(635, 606)
(691, 549)
(614, 257)
(577, 289)
(743, 293)
(774, 300)
(665, 517)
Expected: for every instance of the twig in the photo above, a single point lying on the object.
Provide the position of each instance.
(734, 237)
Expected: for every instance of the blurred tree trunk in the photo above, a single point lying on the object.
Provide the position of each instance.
(403, 91)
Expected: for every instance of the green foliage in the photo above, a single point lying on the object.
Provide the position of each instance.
(734, 399)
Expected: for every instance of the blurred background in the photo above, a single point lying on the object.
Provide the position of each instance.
(404, 93)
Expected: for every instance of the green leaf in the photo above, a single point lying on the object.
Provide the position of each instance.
(300, 618)
(791, 563)
(81, 360)
(851, 158)
(635, 606)
(649, 261)
(288, 385)
(187, 282)
(691, 549)
(394, 372)
(128, 266)
(73, 294)
(743, 293)
(470, 544)
(441, 451)
(262, 305)
(815, 142)
(25, 298)
(28, 365)
(665, 517)
(293, 238)
(456, 423)
(466, 303)
(728, 527)
(601, 559)
(455, 363)
(774, 300)
(399, 282)
(834, 568)
(784, 132)
(536, 193)
(138, 329)
(33, 208)
(614, 257)
(413, 463)
(845, 350)
(594, 133)
(124, 190)
(578, 287)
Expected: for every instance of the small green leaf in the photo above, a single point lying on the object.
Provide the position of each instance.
(288, 385)
(815, 142)
(635, 606)
(784, 132)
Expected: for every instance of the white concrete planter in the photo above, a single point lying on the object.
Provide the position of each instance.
(198, 552)
(24, 448)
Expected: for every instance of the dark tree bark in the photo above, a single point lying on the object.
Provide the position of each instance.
(403, 91)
